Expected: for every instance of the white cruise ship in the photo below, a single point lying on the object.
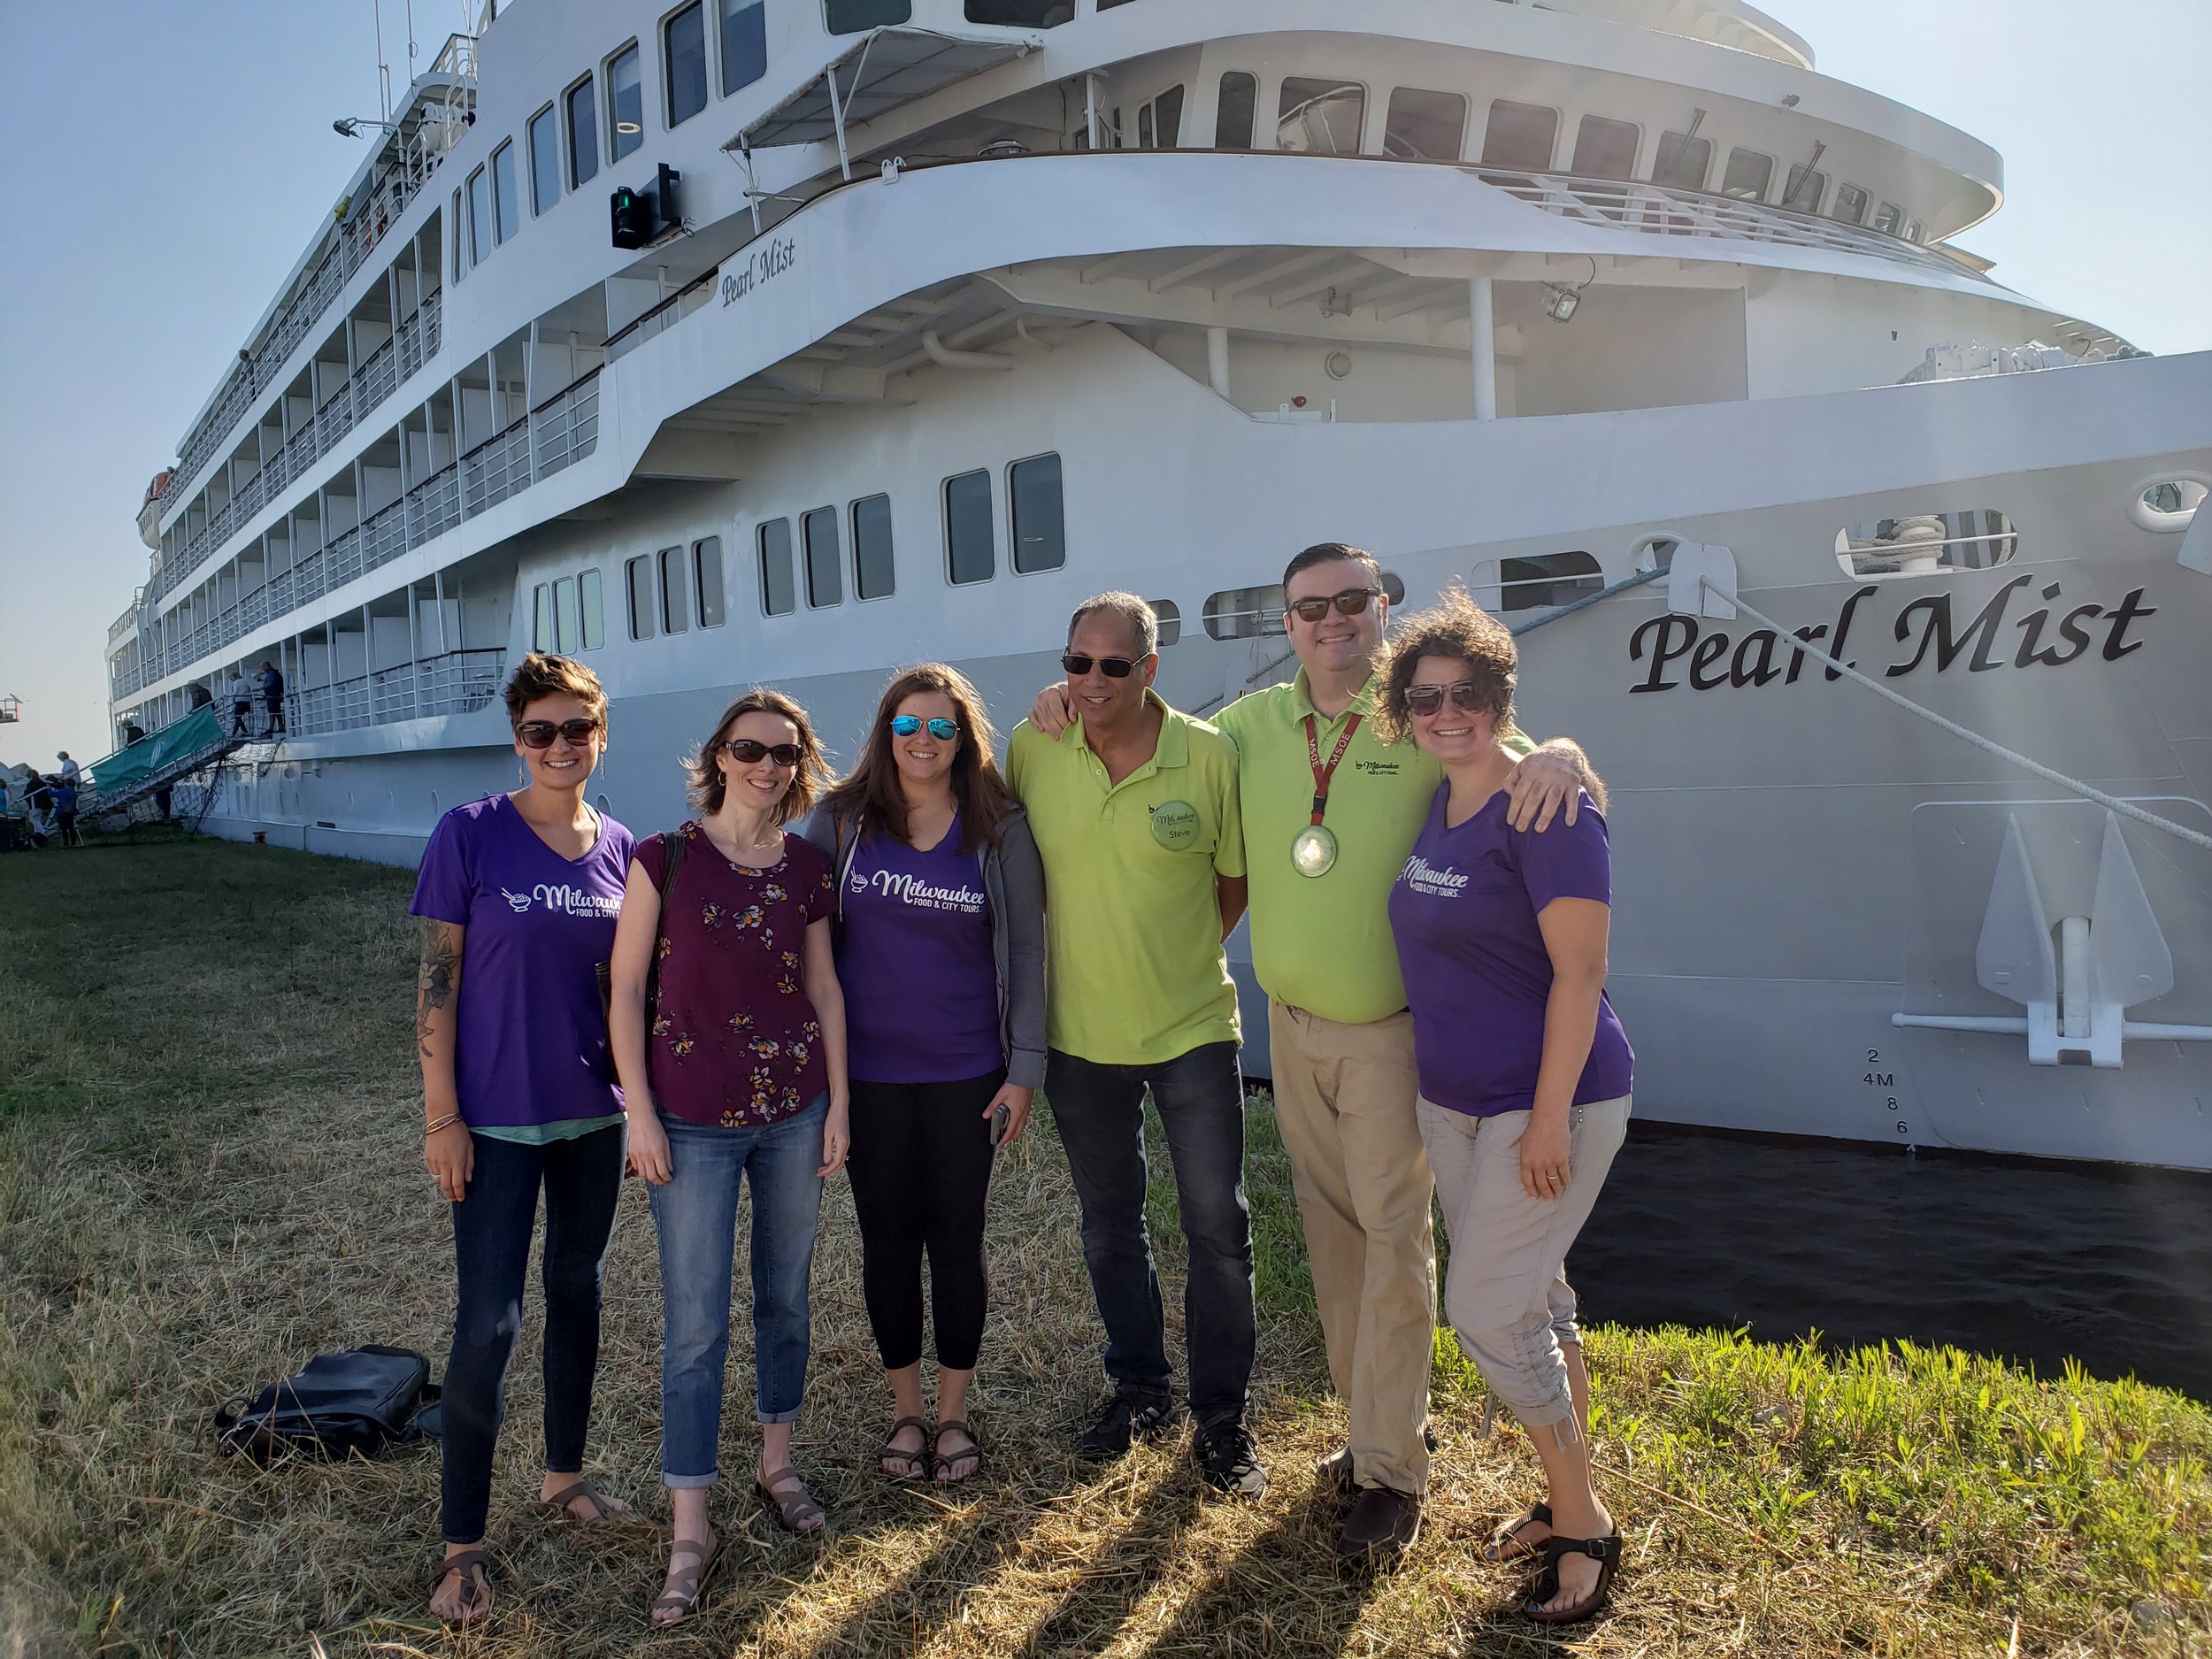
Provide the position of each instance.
(789, 339)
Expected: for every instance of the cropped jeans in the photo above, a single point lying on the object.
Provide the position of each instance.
(697, 1214)
(1099, 1110)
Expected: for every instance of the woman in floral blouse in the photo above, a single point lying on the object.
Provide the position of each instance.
(741, 1077)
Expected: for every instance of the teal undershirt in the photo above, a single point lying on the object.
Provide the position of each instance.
(545, 1134)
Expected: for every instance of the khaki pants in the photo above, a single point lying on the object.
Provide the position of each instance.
(1344, 1098)
(1506, 1292)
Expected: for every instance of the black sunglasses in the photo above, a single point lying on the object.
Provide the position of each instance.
(540, 734)
(747, 751)
(1427, 699)
(1112, 668)
(1350, 602)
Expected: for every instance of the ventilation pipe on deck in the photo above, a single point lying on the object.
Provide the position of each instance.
(945, 357)
(1218, 361)
(1482, 320)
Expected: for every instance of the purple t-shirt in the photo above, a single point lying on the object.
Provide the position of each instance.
(1477, 972)
(531, 1031)
(915, 959)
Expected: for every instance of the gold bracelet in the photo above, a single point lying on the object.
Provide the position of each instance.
(446, 1122)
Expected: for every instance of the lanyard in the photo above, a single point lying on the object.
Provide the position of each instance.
(1321, 774)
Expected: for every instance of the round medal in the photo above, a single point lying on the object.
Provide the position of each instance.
(1314, 852)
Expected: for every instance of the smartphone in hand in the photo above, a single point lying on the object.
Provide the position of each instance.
(1001, 1119)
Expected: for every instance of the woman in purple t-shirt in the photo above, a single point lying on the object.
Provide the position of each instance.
(1525, 1072)
(517, 895)
(736, 1074)
(940, 949)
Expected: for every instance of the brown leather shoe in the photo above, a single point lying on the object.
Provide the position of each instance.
(1382, 1525)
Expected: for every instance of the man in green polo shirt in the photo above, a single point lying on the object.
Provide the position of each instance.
(1134, 810)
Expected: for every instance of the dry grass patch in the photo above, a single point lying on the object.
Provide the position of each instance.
(209, 1171)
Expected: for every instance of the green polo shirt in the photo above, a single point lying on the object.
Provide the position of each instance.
(1133, 927)
(1323, 943)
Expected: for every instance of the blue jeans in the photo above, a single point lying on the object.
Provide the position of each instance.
(492, 1226)
(1099, 1110)
(696, 1212)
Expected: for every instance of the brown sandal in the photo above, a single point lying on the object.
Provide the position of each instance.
(786, 1494)
(474, 1566)
(682, 1602)
(917, 1461)
(603, 1507)
(940, 1461)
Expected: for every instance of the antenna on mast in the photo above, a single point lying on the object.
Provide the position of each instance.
(383, 69)
(410, 42)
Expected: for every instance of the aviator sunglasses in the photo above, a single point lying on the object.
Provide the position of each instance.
(1427, 700)
(1112, 668)
(540, 734)
(747, 751)
(1350, 602)
(906, 724)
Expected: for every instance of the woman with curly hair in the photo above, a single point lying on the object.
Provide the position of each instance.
(734, 1073)
(1525, 1072)
(940, 949)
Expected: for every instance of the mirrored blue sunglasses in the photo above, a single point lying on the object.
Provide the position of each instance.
(906, 724)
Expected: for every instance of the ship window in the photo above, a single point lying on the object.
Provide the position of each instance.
(1806, 186)
(875, 575)
(479, 216)
(1245, 613)
(1749, 175)
(1547, 579)
(675, 595)
(706, 558)
(545, 161)
(591, 604)
(1027, 15)
(1914, 231)
(971, 530)
(1605, 148)
(824, 582)
(639, 573)
(1160, 121)
(583, 135)
(850, 17)
(1170, 618)
(779, 593)
(1520, 136)
(565, 616)
(744, 43)
(1922, 544)
(626, 101)
(1851, 204)
(541, 620)
(1233, 115)
(684, 62)
(1683, 161)
(1320, 118)
(1424, 126)
(1040, 527)
(457, 238)
(506, 204)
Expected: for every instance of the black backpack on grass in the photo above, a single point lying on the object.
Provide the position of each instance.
(360, 1400)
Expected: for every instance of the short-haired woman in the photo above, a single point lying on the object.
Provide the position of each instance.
(941, 950)
(1525, 1072)
(518, 896)
(740, 1077)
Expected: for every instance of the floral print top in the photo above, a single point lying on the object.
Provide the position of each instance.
(734, 1041)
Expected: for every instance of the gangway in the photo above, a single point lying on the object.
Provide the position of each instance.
(181, 751)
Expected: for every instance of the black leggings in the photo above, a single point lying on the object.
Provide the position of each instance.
(921, 1168)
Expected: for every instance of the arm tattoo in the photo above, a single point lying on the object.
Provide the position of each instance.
(435, 982)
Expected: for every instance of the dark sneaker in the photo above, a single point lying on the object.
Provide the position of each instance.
(1336, 1469)
(1228, 1459)
(1128, 1417)
(1382, 1525)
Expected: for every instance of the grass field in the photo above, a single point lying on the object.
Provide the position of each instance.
(210, 1171)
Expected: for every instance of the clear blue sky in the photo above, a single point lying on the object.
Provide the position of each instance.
(170, 169)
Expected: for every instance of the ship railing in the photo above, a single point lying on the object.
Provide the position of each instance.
(374, 381)
(434, 506)
(496, 468)
(455, 682)
(123, 624)
(565, 426)
(677, 306)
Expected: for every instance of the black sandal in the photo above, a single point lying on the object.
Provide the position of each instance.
(917, 1461)
(940, 1461)
(1506, 1544)
(474, 1566)
(1605, 1551)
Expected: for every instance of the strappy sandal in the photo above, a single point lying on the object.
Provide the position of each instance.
(786, 1494)
(603, 1508)
(940, 1461)
(682, 1602)
(1506, 1544)
(1605, 1551)
(917, 1461)
(474, 1566)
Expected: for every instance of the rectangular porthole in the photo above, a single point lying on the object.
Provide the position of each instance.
(675, 590)
(479, 216)
(1925, 544)
(706, 564)
(850, 17)
(591, 605)
(1750, 175)
(1542, 580)
(545, 161)
(638, 577)
(1041, 530)
(1807, 186)
(1021, 14)
(583, 133)
(875, 575)
(506, 203)
(684, 62)
(970, 529)
(1424, 126)
(1170, 616)
(1244, 613)
(1234, 113)
(1683, 161)
(825, 580)
(1522, 135)
(779, 585)
(565, 632)
(1605, 148)
(744, 43)
(625, 103)
(1320, 118)
(1851, 205)
(541, 622)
